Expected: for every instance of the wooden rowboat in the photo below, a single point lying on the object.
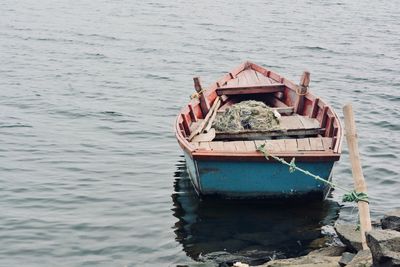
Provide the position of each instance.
(228, 163)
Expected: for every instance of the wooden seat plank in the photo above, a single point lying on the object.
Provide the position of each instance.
(303, 144)
(308, 123)
(250, 146)
(274, 145)
(229, 146)
(316, 144)
(245, 89)
(327, 142)
(217, 146)
(290, 122)
(240, 146)
(290, 145)
(281, 144)
(269, 146)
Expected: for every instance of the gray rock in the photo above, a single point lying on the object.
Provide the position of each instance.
(391, 220)
(319, 242)
(305, 261)
(346, 258)
(385, 247)
(362, 259)
(332, 251)
(223, 257)
(349, 236)
(329, 231)
(327, 257)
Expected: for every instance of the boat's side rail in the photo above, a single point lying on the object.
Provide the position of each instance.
(313, 107)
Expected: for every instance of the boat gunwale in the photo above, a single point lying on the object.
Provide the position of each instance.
(194, 152)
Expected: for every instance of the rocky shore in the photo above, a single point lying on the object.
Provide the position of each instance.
(383, 242)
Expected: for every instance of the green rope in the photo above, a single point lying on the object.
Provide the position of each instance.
(350, 196)
(354, 196)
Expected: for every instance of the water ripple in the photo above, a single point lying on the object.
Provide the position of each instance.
(89, 93)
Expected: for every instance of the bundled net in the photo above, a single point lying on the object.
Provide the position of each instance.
(246, 115)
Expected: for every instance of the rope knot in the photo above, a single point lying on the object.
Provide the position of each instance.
(262, 149)
(292, 166)
(197, 94)
(354, 196)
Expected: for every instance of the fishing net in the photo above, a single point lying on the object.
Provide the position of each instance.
(246, 115)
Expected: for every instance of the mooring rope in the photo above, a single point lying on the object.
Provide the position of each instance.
(350, 196)
(197, 94)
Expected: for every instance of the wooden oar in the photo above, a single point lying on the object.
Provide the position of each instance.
(205, 137)
(207, 119)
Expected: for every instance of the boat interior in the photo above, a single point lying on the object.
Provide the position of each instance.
(307, 123)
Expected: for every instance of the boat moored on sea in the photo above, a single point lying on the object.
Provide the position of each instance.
(228, 162)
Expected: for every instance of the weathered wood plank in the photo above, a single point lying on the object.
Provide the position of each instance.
(262, 78)
(289, 126)
(269, 146)
(308, 123)
(260, 135)
(329, 126)
(250, 146)
(185, 124)
(233, 82)
(281, 144)
(288, 110)
(290, 122)
(275, 78)
(204, 105)
(192, 114)
(303, 144)
(250, 89)
(242, 81)
(290, 145)
(204, 145)
(301, 92)
(274, 102)
(204, 123)
(314, 109)
(274, 145)
(259, 143)
(205, 137)
(229, 146)
(195, 125)
(324, 116)
(240, 146)
(327, 142)
(217, 146)
(316, 144)
(251, 76)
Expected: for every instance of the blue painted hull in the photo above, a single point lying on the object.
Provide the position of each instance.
(256, 179)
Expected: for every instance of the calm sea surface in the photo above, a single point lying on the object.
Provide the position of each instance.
(90, 172)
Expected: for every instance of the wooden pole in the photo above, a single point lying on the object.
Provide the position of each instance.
(303, 87)
(359, 182)
(204, 105)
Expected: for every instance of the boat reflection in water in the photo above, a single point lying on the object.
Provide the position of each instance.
(245, 230)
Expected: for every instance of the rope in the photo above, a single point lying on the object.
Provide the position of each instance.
(355, 197)
(350, 196)
(298, 90)
(197, 94)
